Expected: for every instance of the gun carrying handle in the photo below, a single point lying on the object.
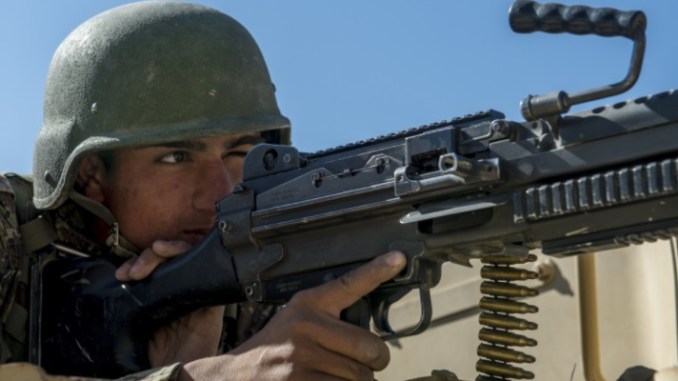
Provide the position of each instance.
(530, 16)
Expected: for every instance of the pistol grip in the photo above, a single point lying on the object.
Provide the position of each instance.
(358, 314)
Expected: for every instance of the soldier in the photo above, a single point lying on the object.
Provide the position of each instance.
(149, 111)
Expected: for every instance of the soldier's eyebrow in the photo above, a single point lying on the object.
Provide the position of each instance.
(191, 145)
(195, 145)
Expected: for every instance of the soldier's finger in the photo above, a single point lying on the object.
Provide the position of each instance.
(147, 261)
(342, 292)
(169, 249)
(354, 343)
(139, 267)
(122, 272)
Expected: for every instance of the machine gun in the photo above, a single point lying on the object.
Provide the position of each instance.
(475, 187)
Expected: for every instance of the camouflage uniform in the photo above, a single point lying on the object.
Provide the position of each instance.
(70, 222)
(10, 260)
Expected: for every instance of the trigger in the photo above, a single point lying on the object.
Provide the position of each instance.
(381, 308)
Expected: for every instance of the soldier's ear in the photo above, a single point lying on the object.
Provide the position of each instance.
(90, 179)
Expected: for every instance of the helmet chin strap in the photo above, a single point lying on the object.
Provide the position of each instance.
(115, 241)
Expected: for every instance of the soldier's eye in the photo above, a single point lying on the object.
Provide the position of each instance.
(175, 157)
(237, 153)
(240, 150)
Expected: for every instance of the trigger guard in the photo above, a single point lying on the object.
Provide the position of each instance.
(380, 313)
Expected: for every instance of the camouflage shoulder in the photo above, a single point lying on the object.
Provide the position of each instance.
(22, 188)
(12, 316)
(5, 186)
(10, 241)
(13, 178)
(10, 244)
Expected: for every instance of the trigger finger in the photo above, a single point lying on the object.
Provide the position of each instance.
(340, 293)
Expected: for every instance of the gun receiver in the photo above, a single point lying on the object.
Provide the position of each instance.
(478, 186)
(439, 194)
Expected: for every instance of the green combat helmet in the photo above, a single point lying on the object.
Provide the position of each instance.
(147, 73)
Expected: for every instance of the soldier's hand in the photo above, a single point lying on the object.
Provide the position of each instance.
(191, 337)
(306, 340)
(140, 267)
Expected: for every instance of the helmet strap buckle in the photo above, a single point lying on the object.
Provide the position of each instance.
(114, 235)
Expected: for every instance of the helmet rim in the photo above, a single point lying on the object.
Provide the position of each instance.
(143, 138)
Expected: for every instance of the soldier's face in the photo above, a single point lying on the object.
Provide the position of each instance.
(168, 192)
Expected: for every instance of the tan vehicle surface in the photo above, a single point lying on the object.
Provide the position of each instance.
(599, 315)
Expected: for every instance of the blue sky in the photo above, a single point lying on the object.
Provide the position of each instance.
(353, 69)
